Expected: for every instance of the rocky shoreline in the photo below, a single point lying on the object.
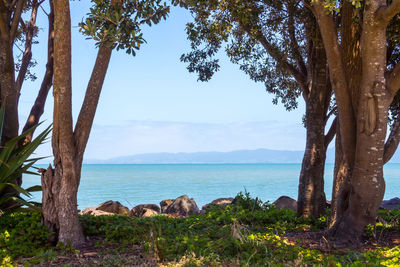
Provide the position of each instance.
(184, 206)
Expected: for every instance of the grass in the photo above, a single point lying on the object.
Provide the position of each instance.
(243, 234)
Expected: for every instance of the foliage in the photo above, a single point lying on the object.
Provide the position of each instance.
(246, 233)
(251, 32)
(235, 235)
(22, 235)
(14, 161)
(117, 23)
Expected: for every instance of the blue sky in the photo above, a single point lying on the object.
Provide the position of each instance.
(151, 103)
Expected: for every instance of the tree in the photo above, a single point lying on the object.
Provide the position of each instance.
(113, 25)
(252, 32)
(15, 32)
(364, 86)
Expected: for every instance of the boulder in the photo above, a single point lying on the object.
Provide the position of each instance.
(183, 206)
(94, 212)
(220, 202)
(285, 202)
(149, 213)
(113, 207)
(165, 203)
(391, 204)
(139, 210)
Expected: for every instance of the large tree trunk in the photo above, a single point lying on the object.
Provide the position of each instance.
(60, 186)
(358, 201)
(367, 183)
(363, 114)
(311, 196)
(351, 33)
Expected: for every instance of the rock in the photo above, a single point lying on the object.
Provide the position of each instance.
(391, 204)
(165, 203)
(149, 213)
(113, 207)
(139, 210)
(285, 202)
(219, 201)
(183, 206)
(222, 201)
(93, 211)
(90, 254)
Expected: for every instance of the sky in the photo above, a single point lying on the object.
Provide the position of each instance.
(151, 103)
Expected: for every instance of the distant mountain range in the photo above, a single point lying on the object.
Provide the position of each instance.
(238, 156)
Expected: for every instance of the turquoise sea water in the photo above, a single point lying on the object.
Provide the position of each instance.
(151, 183)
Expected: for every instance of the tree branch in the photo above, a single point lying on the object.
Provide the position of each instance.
(22, 23)
(393, 80)
(338, 77)
(27, 56)
(392, 142)
(331, 133)
(277, 55)
(89, 106)
(386, 13)
(38, 107)
(294, 43)
(15, 20)
(330, 113)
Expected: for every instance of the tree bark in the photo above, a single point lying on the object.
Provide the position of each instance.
(311, 201)
(341, 184)
(9, 96)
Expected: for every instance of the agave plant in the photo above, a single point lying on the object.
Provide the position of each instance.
(14, 161)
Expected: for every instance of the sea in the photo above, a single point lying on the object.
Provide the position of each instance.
(151, 183)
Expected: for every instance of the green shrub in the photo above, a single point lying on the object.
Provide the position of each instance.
(14, 162)
(235, 235)
(22, 235)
